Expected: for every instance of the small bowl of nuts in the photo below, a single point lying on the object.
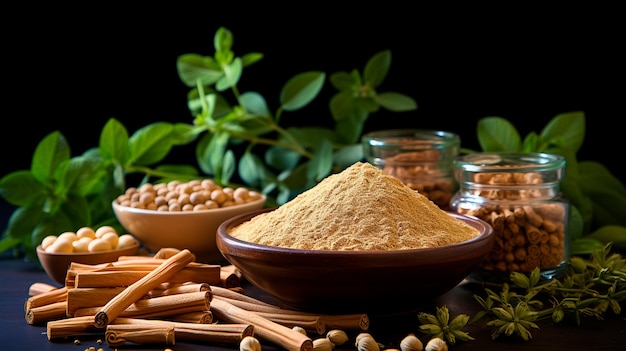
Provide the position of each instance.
(87, 246)
(183, 215)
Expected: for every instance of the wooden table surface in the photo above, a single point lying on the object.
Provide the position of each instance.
(16, 276)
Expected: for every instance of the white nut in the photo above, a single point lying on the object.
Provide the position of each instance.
(337, 337)
(322, 344)
(411, 343)
(249, 343)
(436, 344)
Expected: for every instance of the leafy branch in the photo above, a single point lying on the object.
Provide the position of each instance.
(590, 288)
(295, 158)
(61, 193)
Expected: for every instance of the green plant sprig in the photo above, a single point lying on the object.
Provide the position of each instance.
(590, 288)
(440, 325)
(296, 158)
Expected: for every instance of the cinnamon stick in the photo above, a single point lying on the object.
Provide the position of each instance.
(124, 276)
(220, 333)
(134, 292)
(194, 271)
(229, 279)
(45, 298)
(78, 298)
(172, 289)
(119, 334)
(46, 313)
(281, 335)
(159, 307)
(64, 328)
(357, 321)
(235, 295)
(40, 288)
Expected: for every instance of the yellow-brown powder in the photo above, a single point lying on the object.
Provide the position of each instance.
(362, 208)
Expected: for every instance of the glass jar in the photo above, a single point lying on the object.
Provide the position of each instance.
(519, 195)
(422, 159)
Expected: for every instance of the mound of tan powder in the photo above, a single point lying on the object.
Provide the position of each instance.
(362, 208)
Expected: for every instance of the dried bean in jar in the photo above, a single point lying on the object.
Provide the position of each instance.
(519, 196)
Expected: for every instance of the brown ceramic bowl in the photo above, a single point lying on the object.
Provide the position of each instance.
(192, 230)
(56, 264)
(355, 281)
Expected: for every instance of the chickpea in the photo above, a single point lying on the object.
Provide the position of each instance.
(111, 237)
(61, 245)
(104, 229)
(81, 245)
(86, 232)
(71, 236)
(194, 195)
(125, 240)
(99, 244)
(48, 240)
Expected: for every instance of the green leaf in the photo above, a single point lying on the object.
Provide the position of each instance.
(343, 81)
(20, 188)
(321, 163)
(591, 172)
(252, 170)
(300, 90)
(49, 154)
(614, 234)
(349, 129)
(576, 223)
(368, 103)
(565, 131)
(254, 104)
(396, 102)
(114, 142)
(228, 167)
(348, 155)
(76, 211)
(151, 144)
(248, 59)
(496, 134)
(211, 153)
(232, 73)
(194, 69)
(82, 176)
(585, 246)
(223, 39)
(376, 68)
(531, 143)
(343, 106)
(606, 192)
(281, 159)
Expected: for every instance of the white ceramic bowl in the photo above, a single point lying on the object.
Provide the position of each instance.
(193, 230)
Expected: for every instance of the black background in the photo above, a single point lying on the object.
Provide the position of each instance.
(72, 71)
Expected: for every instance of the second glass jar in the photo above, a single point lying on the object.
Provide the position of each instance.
(519, 195)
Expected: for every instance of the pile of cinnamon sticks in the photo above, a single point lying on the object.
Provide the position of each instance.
(169, 297)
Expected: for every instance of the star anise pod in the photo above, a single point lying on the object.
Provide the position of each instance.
(440, 325)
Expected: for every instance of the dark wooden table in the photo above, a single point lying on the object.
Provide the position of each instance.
(610, 334)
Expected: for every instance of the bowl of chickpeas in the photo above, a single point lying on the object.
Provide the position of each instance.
(183, 215)
(86, 245)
